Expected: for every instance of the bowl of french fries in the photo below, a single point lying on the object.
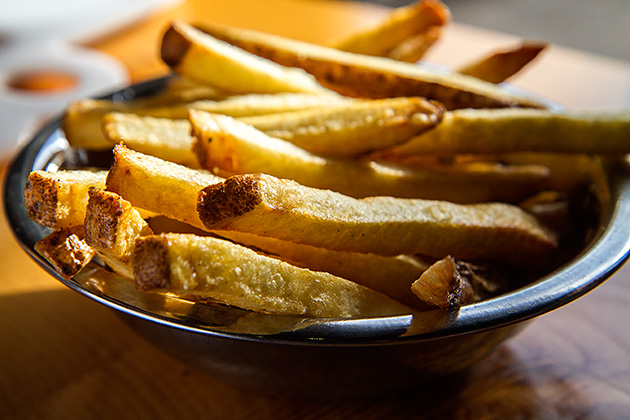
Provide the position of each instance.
(340, 219)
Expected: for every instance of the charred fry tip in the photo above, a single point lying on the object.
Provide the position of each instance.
(151, 268)
(40, 199)
(236, 196)
(174, 46)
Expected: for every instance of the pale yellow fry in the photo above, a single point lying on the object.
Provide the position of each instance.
(352, 129)
(358, 75)
(165, 138)
(521, 130)
(207, 60)
(234, 147)
(66, 250)
(154, 184)
(58, 199)
(415, 47)
(391, 276)
(83, 119)
(501, 65)
(235, 275)
(398, 25)
(264, 205)
(262, 104)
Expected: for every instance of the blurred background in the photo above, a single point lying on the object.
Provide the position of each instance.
(599, 26)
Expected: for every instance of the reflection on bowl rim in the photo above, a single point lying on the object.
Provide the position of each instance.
(608, 252)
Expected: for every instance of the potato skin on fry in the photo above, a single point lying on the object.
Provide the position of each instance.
(65, 250)
(111, 227)
(58, 199)
(364, 76)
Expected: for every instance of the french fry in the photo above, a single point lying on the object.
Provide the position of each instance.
(521, 130)
(501, 65)
(363, 76)
(83, 120)
(144, 180)
(111, 227)
(415, 47)
(235, 275)
(207, 60)
(237, 148)
(352, 129)
(268, 206)
(391, 276)
(262, 104)
(450, 283)
(400, 24)
(161, 137)
(57, 199)
(66, 250)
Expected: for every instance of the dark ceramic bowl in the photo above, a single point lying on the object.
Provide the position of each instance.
(272, 353)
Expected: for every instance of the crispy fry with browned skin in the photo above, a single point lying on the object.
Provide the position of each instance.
(236, 148)
(66, 250)
(362, 76)
(489, 131)
(352, 129)
(398, 26)
(111, 228)
(149, 183)
(207, 60)
(57, 199)
(501, 65)
(450, 283)
(268, 206)
(235, 275)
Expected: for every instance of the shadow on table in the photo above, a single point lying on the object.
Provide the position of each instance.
(62, 354)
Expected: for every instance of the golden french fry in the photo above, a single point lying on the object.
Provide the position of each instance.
(111, 227)
(501, 65)
(149, 183)
(66, 250)
(57, 199)
(264, 205)
(220, 270)
(521, 130)
(207, 60)
(237, 148)
(358, 75)
(161, 137)
(352, 129)
(415, 47)
(398, 26)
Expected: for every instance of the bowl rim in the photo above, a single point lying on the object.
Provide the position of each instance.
(609, 250)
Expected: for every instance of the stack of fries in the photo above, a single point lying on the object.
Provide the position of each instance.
(325, 181)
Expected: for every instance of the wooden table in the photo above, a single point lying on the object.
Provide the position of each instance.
(64, 356)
